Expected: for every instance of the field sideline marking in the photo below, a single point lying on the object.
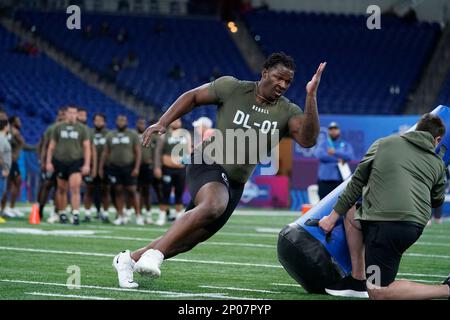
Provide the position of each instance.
(213, 243)
(95, 254)
(166, 294)
(146, 240)
(286, 285)
(240, 289)
(42, 294)
(243, 264)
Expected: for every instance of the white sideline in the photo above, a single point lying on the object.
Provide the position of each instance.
(42, 294)
(20, 231)
(243, 264)
(286, 285)
(166, 294)
(239, 289)
(146, 240)
(94, 254)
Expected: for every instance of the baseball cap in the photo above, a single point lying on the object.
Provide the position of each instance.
(203, 121)
(333, 124)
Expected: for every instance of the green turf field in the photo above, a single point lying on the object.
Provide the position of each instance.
(239, 262)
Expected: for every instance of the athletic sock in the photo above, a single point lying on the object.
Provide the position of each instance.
(88, 212)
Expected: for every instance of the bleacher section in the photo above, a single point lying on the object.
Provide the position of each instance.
(197, 45)
(353, 84)
(34, 87)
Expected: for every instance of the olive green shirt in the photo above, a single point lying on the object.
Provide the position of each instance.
(121, 145)
(172, 138)
(99, 141)
(69, 140)
(400, 179)
(148, 153)
(238, 109)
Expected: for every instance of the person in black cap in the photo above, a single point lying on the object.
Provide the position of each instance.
(333, 154)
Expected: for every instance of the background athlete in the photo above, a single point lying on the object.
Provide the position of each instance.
(216, 189)
(146, 177)
(69, 156)
(170, 169)
(122, 153)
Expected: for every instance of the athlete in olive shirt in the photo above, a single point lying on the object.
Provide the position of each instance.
(97, 188)
(69, 156)
(122, 152)
(48, 179)
(146, 177)
(216, 189)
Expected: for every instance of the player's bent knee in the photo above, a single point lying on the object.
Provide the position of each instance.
(216, 208)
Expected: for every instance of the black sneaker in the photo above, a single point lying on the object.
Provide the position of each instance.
(87, 219)
(348, 287)
(63, 218)
(76, 219)
(447, 282)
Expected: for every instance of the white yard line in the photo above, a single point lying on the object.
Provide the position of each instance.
(242, 264)
(422, 275)
(286, 285)
(94, 254)
(426, 255)
(146, 240)
(57, 295)
(166, 294)
(239, 289)
(432, 244)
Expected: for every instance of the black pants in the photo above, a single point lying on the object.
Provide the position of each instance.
(326, 186)
(176, 178)
(385, 243)
(200, 174)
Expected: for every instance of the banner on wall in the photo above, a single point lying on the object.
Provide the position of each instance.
(266, 192)
(360, 131)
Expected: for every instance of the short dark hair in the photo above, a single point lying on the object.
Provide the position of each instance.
(12, 119)
(3, 124)
(280, 58)
(99, 114)
(82, 109)
(432, 124)
(63, 109)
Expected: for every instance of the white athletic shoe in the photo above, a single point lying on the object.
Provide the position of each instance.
(54, 218)
(140, 221)
(118, 221)
(162, 218)
(17, 212)
(149, 219)
(124, 266)
(180, 214)
(9, 213)
(149, 263)
(128, 213)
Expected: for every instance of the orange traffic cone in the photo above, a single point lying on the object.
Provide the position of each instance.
(306, 207)
(34, 215)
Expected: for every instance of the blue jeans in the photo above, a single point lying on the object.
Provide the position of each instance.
(2, 185)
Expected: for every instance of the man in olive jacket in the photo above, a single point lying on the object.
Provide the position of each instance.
(400, 179)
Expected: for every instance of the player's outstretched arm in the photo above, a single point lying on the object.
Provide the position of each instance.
(305, 129)
(183, 105)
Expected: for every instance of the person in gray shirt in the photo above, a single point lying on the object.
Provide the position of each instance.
(5, 154)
